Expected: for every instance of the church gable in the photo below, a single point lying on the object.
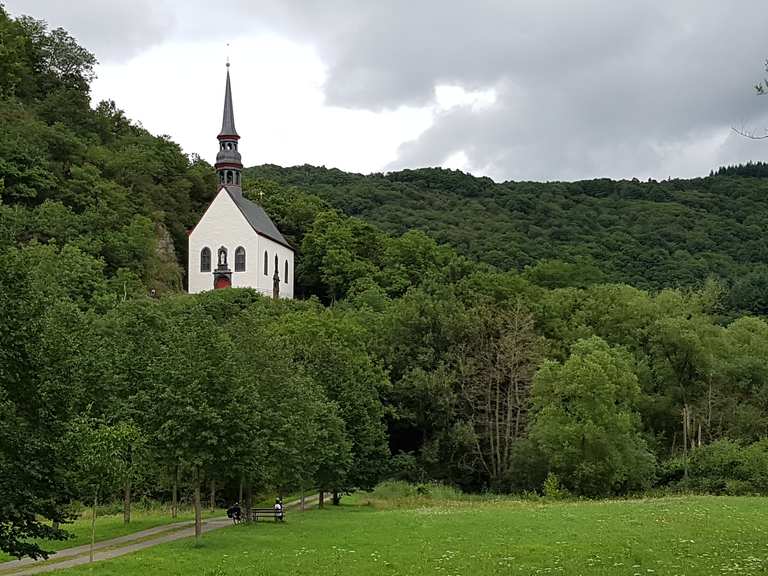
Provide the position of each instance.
(223, 218)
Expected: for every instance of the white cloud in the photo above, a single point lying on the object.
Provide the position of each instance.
(451, 96)
(280, 111)
(456, 161)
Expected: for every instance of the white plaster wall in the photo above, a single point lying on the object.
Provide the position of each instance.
(265, 281)
(224, 225)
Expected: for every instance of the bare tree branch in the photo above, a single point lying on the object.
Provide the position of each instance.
(751, 134)
(761, 89)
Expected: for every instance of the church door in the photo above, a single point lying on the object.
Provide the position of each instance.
(222, 282)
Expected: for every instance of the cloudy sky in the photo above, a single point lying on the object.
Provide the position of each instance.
(511, 89)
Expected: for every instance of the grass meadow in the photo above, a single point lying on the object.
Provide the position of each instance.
(111, 526)
(423, 536)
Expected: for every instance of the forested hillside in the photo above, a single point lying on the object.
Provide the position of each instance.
(421, 356)
(87, 179)
(652, 235)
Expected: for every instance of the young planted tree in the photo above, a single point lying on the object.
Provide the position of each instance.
(313, 444)
(333, 450)
(100, 455)
(189, 408)
(115, 373)
(295, 429)
(330, 348)
(135, 457)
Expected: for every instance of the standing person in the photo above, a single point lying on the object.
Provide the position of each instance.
(278, 510)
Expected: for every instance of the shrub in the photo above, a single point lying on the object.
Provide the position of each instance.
(738, 488)
(399, 490)
(405, 466)
(439, 491)
(392, 489)
(729, 467)
(714, 464)
(754, 465)
(552, 488)
(670, 472)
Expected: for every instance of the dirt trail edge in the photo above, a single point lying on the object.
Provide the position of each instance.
(115, 547)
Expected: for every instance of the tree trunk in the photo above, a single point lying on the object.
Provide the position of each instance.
(127, 502)
(699, 434)
(709, 409)
(175, 492)
(198, 510)
(212, 503)
(685, 441)
(248, 502)
(240, 492)
(497, 427)
(336, 498)
(321, 500)
(93, 523)
(301, 504)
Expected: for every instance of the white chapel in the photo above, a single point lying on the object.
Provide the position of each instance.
(235, 243)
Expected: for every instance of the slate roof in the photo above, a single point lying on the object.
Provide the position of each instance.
(257, 218)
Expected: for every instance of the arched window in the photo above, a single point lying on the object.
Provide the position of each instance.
(229, 176)
(240, 259)
(266, 263)
(205, 260)
(222, 257)
(285, 278)
(237, 178)
(277, 263)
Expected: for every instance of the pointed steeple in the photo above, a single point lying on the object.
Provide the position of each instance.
(228, 164)
(228, 122)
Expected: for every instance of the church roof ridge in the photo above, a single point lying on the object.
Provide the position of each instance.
(257, 218)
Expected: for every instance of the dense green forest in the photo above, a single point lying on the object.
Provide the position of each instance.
(592, 338)
(652, 235)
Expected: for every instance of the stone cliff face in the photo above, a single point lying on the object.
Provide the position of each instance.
(167, 274)
(165, 248)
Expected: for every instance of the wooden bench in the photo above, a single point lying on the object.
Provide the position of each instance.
(277, 515)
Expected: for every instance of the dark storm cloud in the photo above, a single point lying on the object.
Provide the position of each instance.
(115, 30)
(591, 88)
(586, 88)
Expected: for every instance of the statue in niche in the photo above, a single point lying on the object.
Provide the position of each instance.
(276, 285)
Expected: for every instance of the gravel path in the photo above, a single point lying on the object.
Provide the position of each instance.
(118, 546)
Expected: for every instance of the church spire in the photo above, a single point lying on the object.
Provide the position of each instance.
(228, 122)
(228, 165)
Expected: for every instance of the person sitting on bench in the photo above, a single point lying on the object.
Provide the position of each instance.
(235, 512)
(278, 510)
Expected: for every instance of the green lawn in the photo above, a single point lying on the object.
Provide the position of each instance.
(686, 535)
(111, 526)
